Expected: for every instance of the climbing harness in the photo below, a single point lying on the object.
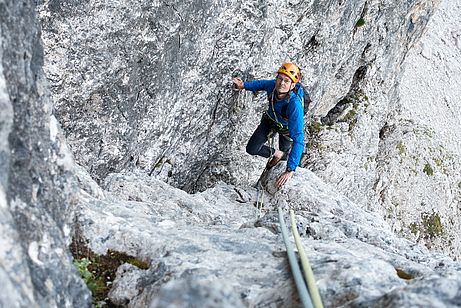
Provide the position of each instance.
(300, 283)
(279, 126)
(307, 270)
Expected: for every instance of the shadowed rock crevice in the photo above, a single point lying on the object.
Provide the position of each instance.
(99, 272)
(346, 109)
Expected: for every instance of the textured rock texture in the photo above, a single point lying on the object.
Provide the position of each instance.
(408, 167)
(142, 89)
(421, 161)
(211, 249)
(37, 193)
(145, 84)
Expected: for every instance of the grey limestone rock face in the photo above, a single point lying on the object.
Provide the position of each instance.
(37, 191)
(213, 249)
(146, 84)
(143, 88)
(408, 167)
(421, 165)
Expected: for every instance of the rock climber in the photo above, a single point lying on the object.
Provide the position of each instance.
(285, 116)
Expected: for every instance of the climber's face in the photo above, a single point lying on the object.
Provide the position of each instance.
(283, 84)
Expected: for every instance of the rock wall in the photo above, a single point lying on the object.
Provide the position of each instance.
(145, 85)
(420, 183)
(112, 65)
(408, 167)
(37, 191)
(215, 248)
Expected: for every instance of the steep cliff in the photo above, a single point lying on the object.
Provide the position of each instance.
(142, 92)
(145, 84)
(421, 162)
(408, 167)
(37, 191)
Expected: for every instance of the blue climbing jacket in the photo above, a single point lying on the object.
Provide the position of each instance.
(294, 115)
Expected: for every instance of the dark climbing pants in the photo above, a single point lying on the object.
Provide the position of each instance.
(256, 144)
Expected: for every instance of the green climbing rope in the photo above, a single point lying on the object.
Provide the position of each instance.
(299, 281)
(308, 274)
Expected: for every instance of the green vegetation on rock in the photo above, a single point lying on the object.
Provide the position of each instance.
(432, 225)
(314, 127)
(351, 117)
(404, 275)
(428, 169)
(99, 271)
(401, 147)
(360, 23)
(413, 228)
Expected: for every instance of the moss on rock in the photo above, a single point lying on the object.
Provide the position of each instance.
(428, 169)
(99, 271)
(432, 225)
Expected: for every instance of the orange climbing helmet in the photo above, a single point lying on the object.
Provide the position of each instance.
(290, 70)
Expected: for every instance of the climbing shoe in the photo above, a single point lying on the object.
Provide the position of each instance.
(273, 162)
